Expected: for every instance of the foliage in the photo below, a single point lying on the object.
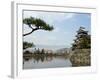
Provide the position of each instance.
(27, 45)
(36, 24)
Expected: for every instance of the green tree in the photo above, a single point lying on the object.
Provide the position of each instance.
(36, 24)
(27, 45)
(83, 40)
(42, 51)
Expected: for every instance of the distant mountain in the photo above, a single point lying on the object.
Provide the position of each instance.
(51, 47)
(63, 50)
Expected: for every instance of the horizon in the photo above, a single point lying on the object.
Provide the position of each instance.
(50, 47)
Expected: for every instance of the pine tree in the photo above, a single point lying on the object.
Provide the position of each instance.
(36, 24)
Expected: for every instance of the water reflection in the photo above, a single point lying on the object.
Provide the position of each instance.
(45, 61)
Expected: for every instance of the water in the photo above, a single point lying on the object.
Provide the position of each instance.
(47, 62)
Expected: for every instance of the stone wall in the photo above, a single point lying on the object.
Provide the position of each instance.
(81, 57)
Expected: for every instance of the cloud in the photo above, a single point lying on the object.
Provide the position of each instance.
(49, 17)
(70, 15)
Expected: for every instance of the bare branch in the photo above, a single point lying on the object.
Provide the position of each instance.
(30, 32)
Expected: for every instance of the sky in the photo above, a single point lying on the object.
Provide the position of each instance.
(65, 26)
